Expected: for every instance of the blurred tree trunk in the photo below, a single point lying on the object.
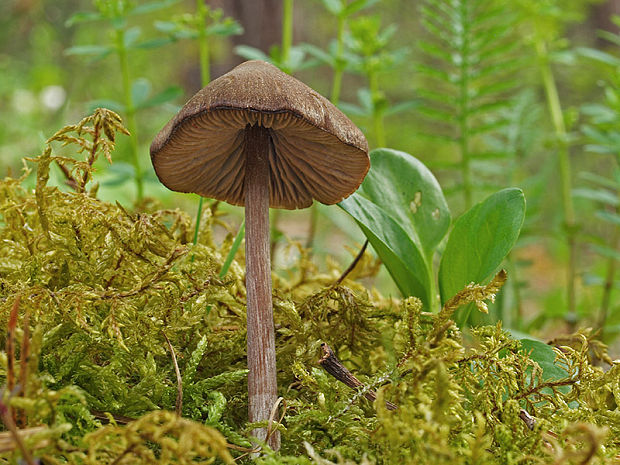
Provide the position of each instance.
(261, 21)
(602, 14)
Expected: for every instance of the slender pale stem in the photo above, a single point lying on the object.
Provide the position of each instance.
(205, 77)
(335, 98)
(130, 110)
(262, 384)
(287, 33)
(464, 111)
(608, 286)
(557, 118)
(203, 42)
(377, 113)
(285, 55)
(338, 68)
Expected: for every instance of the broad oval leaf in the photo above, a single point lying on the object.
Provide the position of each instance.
(401, 209)
(403, 259)
(480, 240)
(409, 193)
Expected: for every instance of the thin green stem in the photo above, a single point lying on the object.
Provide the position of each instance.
(434, 303)
(205, 77)
(273, 233)
(198, 217)
(287, 32)
(338, 66)
(557, 118)
(608, 286)
(203, 43)
(130, 110)
(287, 41)
(464, 111)
(517, 316)
(335, 98)
(233, 250)
(377, 112)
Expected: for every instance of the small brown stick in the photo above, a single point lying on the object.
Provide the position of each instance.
(179, 402)
(334, 367)
(270, 431)
(529, 420)
(7, 443)
(352, 265)
(106, 416)
(274, 411)
(226, 328)
(6, 414)
(71, 182)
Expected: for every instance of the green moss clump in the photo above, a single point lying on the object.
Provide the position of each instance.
(101, 305)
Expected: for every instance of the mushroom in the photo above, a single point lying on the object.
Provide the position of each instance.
(260, 138)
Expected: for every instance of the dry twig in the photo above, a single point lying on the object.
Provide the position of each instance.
(334, 367)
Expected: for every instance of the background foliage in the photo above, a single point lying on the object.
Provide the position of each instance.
(105, 273)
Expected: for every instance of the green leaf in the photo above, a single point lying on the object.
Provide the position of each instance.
(404, 261)
(113, 105)
(479, 241)
(610, 36)
(154, 43)
(167, 95)
(357, 5)
(168, 27)
(610, 217)
(606, 251)
(83, 17)
(401, 107)
(233, 250)
(352, 109)
(403, 213)
(409, 193)
(601, 181)
(131, 36)
(335, 7)
(251, 53)
(319, 54)
(152, 6)
(89, 50)
(545, 356)
(229, 28)
(600, 56)
(598, 195)
(118, 174)
(140, 90)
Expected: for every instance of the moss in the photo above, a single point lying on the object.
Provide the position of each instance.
(94, 299)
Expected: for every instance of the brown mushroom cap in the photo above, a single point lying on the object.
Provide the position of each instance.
(316, 152)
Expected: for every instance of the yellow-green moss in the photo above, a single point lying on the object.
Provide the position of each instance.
(96, 290)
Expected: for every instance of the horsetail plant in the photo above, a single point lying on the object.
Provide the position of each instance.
(125, 39)
(203, 26)
(465, 80)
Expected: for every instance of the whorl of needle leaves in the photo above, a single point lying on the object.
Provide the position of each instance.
(466, 81)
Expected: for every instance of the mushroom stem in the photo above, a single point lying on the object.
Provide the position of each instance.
(262, 384)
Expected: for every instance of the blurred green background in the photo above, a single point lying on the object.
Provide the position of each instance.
(61, 59)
